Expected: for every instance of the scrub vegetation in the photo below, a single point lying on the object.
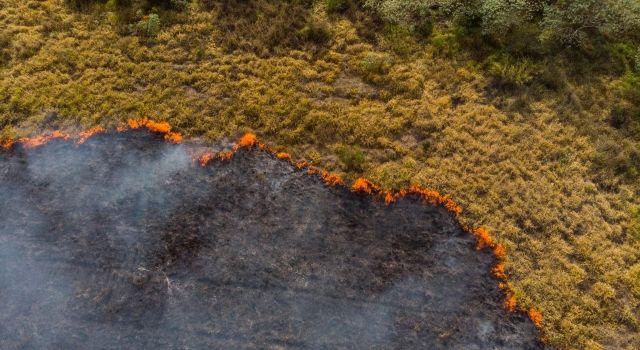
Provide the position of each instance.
(527, 113)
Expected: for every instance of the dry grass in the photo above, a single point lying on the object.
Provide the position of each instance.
(416, 116)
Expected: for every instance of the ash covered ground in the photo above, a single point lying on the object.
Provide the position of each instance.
(123, 243)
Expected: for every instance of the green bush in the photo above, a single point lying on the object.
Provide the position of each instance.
(149, 25)
(374, 63)
(352, 157)
(337, 6)
(623, 56)
(576, 23)
(631, 87)
(510, 72)
(622, 116)
(316, 32)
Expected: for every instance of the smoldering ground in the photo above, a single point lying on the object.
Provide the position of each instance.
(123, 243)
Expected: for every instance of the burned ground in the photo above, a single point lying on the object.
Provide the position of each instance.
(123, 243)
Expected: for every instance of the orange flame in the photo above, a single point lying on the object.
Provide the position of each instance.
(283, 155)
(484, 238)
(205, 159)
(535, 316)
(247, 141)
(499, 271)
(226, 155)
(510, 303)
(158, 127)
(85, 135)
(500, 251)
(331, 179)
(173, 137)
(363, 185)
(40, 140)
(6, 145)
(388, 198)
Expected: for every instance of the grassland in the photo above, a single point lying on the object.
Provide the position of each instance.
(540, 165)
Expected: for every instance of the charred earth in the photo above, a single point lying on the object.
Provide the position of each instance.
(123, 242)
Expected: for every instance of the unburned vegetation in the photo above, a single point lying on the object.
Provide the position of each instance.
(537, 142)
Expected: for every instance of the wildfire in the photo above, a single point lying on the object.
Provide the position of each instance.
(173, 137)
(226, 155)
(158, 127)
(205, 159)
(388, 198)
(500, 251)
(510, 303)
(484, 238)
(499, 271)
(246, 141)
(283, 155)
(535, 316)
(331, 179)
(40, 140)
(363, 185)
(85, 135)
(435, 197)
(6, 145)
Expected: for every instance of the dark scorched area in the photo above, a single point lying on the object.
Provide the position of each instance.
(123, 243)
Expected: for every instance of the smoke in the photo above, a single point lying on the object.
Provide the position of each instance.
(123, 243)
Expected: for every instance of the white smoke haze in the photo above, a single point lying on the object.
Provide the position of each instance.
(123, 243)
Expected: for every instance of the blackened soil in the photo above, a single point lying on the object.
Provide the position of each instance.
(123, 243)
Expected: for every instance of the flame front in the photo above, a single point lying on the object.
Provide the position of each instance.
(7, 145)
(85, 135)
(361, 185)
(36, 141)
(535, 316)
(158, 127)
(246, 141)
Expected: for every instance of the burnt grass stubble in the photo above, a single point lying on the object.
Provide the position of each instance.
(123, 243)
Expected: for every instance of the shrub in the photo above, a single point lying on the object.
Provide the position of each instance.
(316, 32)
(268, 27)
(634, 226)
(79, 4)
(552, 77)
(558, 23)
(352, 157)
(510, 72)
(623, 56)
(624, 116)
(337, 6)
(399, 39)
(631, 88)
(149, 25)
(134, 4)
(619, 157)
(179, 4)
(373, 63)
(445, 44)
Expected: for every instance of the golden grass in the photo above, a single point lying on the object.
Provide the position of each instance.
(528, 178)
